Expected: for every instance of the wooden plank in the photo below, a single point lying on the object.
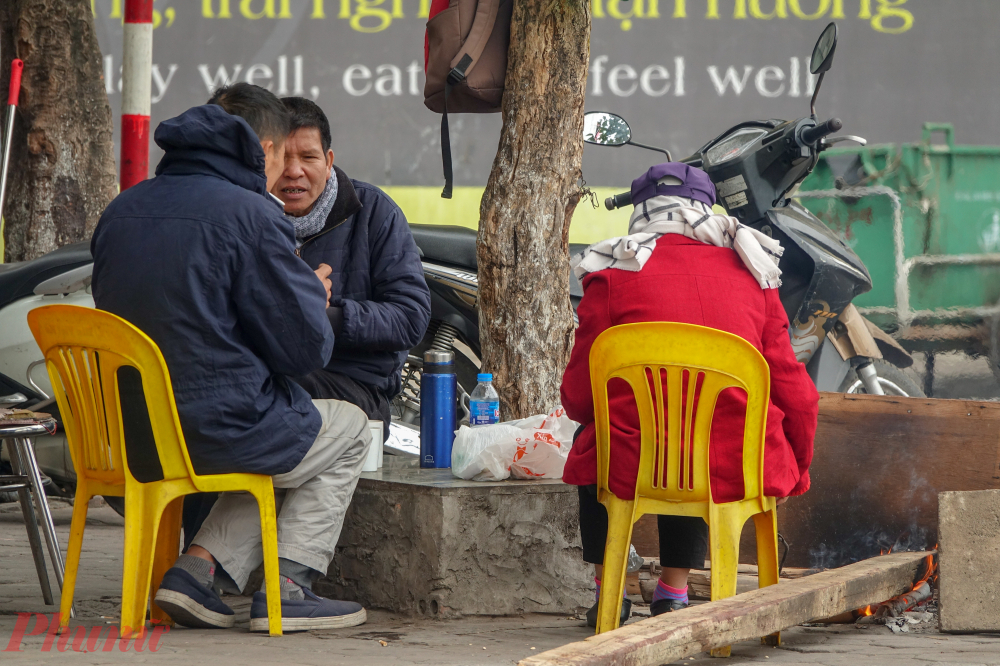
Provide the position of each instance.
(700, 584)
(700, 580)
(673, 636)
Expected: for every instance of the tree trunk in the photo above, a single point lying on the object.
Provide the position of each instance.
(525, 317)
(62, 167)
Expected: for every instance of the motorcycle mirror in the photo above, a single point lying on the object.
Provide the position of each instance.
(605, 129)
(822, 55)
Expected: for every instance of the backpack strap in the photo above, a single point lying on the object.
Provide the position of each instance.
(461, 65)
(474, 44)
(455, 76)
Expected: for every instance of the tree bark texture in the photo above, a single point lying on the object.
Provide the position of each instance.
(62, 168)
(525, 317)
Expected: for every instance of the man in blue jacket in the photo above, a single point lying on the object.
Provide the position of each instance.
(380, 304)
(202, 259)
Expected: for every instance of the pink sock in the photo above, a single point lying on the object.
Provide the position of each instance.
(598, 596)
(664, 591)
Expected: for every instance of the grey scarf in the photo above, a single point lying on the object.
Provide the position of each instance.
(314, 221)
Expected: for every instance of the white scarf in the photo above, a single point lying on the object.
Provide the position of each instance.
(679, 215)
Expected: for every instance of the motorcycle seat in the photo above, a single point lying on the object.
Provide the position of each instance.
(456, 246)
(446, 244)
(19, 279)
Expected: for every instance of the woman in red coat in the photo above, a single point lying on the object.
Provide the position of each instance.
(683, 263)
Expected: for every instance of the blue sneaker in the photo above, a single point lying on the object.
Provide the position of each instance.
(313, 612)
(189, 603)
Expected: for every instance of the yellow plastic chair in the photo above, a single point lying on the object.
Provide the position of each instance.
(685, 354)
(87, 353)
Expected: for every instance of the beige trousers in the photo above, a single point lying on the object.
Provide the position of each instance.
(311, 501)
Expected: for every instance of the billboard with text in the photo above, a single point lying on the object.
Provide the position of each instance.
(681, 72)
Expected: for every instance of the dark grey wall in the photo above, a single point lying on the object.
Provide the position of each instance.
(899, 63)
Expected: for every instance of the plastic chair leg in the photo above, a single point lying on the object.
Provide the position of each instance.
(269, 543)
(620, 519)
(141, 523)
(766, 525)
(167, 550)
(73, 548)
(726, 526)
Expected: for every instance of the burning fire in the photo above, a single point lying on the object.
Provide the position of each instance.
(930, 567)
(928, 575)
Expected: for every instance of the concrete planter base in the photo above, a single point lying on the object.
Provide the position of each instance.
(422, 541)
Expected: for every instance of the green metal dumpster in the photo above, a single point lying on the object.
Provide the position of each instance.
(925, 219)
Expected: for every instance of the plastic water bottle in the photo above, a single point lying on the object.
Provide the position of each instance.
(484, 403)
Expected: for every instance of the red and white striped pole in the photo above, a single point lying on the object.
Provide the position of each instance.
(137, 64)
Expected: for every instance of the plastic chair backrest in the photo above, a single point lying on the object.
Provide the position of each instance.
(697, 364)
(84, 350)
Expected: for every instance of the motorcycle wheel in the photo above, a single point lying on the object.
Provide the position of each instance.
(894, 381)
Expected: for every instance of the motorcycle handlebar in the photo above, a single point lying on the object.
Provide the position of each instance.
(618, 200)
(813, 134)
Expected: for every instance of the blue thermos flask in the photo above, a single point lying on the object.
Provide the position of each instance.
(437, 408)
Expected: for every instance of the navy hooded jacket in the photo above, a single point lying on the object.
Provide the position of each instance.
(202, 260)
(378, 284)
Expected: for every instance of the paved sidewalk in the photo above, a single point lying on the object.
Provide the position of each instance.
(389, 639)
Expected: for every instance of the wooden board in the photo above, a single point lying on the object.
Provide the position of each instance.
(879, 464)
(672, 636)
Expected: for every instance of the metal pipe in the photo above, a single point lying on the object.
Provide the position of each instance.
(38, 389)
(48, 526)
(16, 68)
(812, 102)
(869, 377)
(30, 523)
(653, 148)
(137, 65)
(953, 259)
(953, 314)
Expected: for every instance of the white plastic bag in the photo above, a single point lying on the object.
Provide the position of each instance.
(484, 453)
(530, 448)
(542, 450)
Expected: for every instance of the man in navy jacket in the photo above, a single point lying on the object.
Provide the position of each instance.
(203, 261)
(380, 304)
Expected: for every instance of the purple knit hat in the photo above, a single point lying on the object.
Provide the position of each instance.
(695, 184)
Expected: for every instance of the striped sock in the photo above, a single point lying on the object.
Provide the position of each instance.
(597, 596)
(664, 591)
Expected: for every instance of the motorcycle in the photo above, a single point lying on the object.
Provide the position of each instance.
(755, 167)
